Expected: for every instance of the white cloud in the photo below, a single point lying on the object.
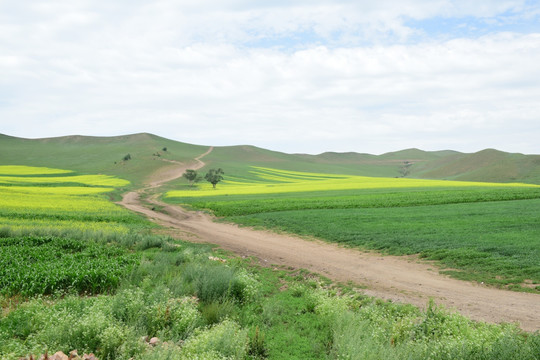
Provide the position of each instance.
(343, 77)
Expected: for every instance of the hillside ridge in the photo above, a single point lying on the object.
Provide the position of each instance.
(104, 154)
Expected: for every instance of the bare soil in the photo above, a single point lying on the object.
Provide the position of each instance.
(401, 279)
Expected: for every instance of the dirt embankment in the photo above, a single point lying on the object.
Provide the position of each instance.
(398, 278)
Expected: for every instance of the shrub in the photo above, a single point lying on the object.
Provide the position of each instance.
(257, 347)
(175, 318)
(227, 339)
(211, 282)
(217, 311)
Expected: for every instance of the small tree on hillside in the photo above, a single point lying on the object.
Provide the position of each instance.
(405, 169)
(191, 176)
(213, 176)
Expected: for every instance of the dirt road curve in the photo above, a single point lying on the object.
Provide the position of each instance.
(389, 277)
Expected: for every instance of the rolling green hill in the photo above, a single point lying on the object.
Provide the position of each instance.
(105, 155)
(489, 164)
(93, 155)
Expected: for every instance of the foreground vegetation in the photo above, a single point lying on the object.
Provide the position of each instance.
(485, 232)
(207, 309)
(94, 278)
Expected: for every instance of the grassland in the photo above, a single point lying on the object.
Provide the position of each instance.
(79, 272)
(98, 155)
(486, 165)
(104, 155)
(486, 232)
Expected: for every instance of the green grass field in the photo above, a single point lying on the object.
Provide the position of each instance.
(486, 165)
(486, 232)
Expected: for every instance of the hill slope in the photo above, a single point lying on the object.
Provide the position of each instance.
(87, 154)
(104, 155)
(489, 164)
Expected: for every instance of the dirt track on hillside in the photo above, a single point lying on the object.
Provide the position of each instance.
(401, 279)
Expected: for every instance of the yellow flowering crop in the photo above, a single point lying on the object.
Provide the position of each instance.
(67, 203)
(26, 203)
(29, 170)
(282, 181)
(94, 180)
(54, 190)
(48, 224)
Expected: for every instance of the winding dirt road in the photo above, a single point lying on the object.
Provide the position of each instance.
(389, 277)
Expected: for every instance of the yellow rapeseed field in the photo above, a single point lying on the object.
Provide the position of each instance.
(29, 170)
(36, 200)
(93, 180)
(274, 181)
(47, 200)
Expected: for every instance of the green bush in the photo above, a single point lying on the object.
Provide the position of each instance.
(227, 339)
(174, 318)
(389, 331)
(215, 312)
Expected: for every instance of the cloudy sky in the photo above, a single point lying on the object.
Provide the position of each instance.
(295, 76)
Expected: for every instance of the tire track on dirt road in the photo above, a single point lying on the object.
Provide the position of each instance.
(401, 279)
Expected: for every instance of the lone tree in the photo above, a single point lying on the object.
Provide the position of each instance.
(213, 176)
(405, 169)
(191, 176)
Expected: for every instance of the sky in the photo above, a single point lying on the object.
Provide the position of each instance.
(304, 76)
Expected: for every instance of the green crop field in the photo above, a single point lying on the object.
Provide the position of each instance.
(35, 265)
(30, 195)
(487, 232)
(36, 209)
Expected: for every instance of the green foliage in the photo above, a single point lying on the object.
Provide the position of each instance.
(192, 176)
(216, 283)
(177, 318)
(226, 339)
(50, 265)
(148, 304)
(257, 347)
(389, 331)
(296, 322)
(214, 176)
(216, 311)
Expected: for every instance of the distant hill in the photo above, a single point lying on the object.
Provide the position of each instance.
(88, 154)
(105, 155)
(485, 165)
